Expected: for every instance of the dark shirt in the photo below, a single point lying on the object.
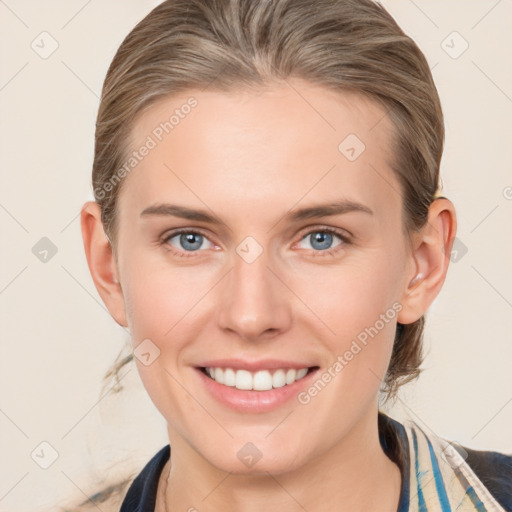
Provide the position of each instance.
(492, 468)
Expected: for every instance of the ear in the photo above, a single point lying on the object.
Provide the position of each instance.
(101, 262)
(430, 257)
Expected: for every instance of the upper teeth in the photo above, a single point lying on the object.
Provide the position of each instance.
(258, 381)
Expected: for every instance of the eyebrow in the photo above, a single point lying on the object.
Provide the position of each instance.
(320, 210)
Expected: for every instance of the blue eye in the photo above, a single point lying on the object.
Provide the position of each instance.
(322, 239)
(189, 241)
(185, 243)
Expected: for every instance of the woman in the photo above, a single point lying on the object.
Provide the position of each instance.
(268, 225)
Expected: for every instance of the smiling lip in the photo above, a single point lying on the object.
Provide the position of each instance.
(254, 366)
(252, 401)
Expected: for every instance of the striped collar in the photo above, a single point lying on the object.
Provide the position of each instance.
(435, 476)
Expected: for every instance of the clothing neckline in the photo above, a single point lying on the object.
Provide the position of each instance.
(141, 495)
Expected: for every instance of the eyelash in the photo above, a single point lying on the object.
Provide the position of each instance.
(331, 252)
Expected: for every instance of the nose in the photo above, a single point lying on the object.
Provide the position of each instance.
(254, 302)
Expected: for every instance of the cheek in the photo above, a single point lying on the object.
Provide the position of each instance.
(353, 295)
(162, 306)
(160, 300)
(357, 309)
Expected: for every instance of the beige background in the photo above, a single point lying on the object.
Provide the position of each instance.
(57, 339)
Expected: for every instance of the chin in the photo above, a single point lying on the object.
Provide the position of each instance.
(260, 467)
(256, 457)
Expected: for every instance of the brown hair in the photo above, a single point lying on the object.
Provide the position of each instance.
(343, 45)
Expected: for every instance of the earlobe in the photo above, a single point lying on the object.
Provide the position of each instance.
(101, 262)
(430, 260)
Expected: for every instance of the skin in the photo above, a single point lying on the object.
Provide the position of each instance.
(250, 157)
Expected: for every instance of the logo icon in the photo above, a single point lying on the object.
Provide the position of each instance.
(454, 45)
(351, 147)
(44, 45)
(44, 455)
(459, 250)
(249, 249)
(44, 250)
(146, 352)
(249, 454)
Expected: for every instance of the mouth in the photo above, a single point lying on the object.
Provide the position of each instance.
(254, 386)
(259, 380)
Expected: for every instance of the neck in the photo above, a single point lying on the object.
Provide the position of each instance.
(353, 475)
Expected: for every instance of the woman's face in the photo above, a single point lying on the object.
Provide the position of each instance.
(260, 279)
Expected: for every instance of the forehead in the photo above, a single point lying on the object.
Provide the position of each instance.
(260, 149)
